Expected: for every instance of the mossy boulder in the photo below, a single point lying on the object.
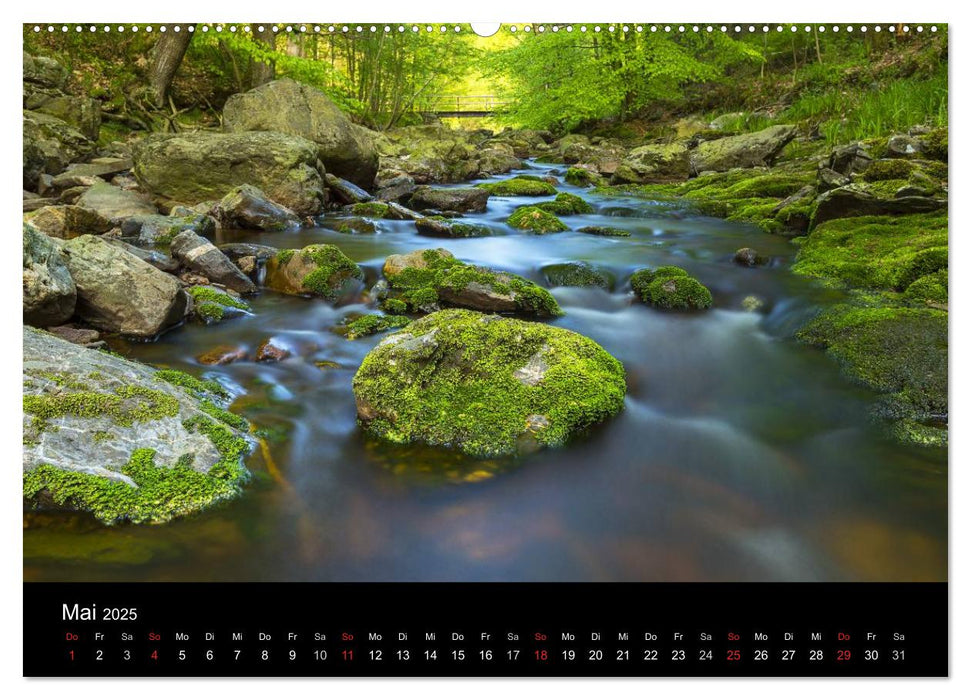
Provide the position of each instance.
(670, 287)
(49, 145)
(428, 279)
(460, 199)
(213, 305)
(662, 162)
(581, 177)
(440, 227)
(49, 294)
(566, 204)
(930, 289)
(860, 200)
(288, 107)
(877, 252)
(122, 441)
(536, 220)
(320, 270)
(756, 149)
(575, 274)
(372, 210)
(605, 231)
(200, 166)
(355, 224)
(155, 230)
(897, 351)
(486, 385)
(519, 187)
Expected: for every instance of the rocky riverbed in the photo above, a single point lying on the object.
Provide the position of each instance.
(435, 354)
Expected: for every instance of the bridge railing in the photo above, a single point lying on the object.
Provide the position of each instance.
(462, 103)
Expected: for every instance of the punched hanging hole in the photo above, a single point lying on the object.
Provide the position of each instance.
(486, 28)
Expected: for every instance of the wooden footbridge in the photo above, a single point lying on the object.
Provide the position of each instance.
(462, 105)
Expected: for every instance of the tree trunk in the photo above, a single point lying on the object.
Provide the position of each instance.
(263, 72)
(166, 57)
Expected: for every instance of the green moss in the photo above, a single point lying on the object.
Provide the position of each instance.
(566, 204)
(419, 287)
(100, 436)
(461, 390)
(581, 177)
(356, 225)
(888, 169)
(897, 351)
(519, 187)
(575, 275)
(935, 144)
(877, 252)
(199, 388)
(670, 287)
(232, 448)
(535, 220)
(605, 231)
(162, 493)
(394, 306)
(284, 256)
(372, 210)
(332, 268)
(929, 289)
(125, 406)
(371, 324)
(210, 312)
(230, 419)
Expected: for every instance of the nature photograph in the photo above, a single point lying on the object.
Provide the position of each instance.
(402, 302)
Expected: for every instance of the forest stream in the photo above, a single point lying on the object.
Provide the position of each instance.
(740, 454)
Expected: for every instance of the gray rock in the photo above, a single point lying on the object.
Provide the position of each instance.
(830, 179)
(68, 221)
(155, 258)
(49, 294)
(202, 257)
(120, 293)
(462, 199)
(81, 112)
(655, 163)
(345, 191)
(247, 207)
(854, 200)
(901, 146)
(288, 107)
(155, 229)
(49, 145)
(394, 188)
(756, 149)
(114, 203)
(44, 71)
(139, 411)
(200, 166)
(749, 257)
(850, 159)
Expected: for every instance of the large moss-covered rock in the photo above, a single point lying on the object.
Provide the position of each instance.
(319, 270)
(898, 352)
(49, 145)
(121, 293)
(202, 166)
(440, 227)
(671, 288)
(68, 221)
(428, 279)
(756, 149)
(49, 294)
(519, 187)
(122, 441)
(486, 385)
(289, 107)
(655, 163)
(536, 220)
(859, 200)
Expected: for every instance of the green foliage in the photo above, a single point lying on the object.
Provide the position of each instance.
(461, 390)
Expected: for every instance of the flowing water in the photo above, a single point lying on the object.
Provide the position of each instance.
(740, 455)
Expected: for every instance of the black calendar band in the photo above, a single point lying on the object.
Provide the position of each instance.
(485, 629)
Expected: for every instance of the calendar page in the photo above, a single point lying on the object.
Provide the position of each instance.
(524, 349)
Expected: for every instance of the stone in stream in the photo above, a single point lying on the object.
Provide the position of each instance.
(201, 166)
(463, 199)
(536, 221)
(394, 186)
(201, 256)
(490, 385)
(428, 279)
(605, 231)
(318, 270)
(158, 230)
(749, 257)
(519, 187)
(120, 293)
(114, 203)
(68, 221)
(756, 149)
(355, 224)
(213, 305)
(222, 355)
(670, 288)
(155, 258)
(440, 227)
(49, 293)
(270, 351)
(576, 274)
(122, 441)
(288, 107)
(344, 191)
(566, 204)
(247, 207)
